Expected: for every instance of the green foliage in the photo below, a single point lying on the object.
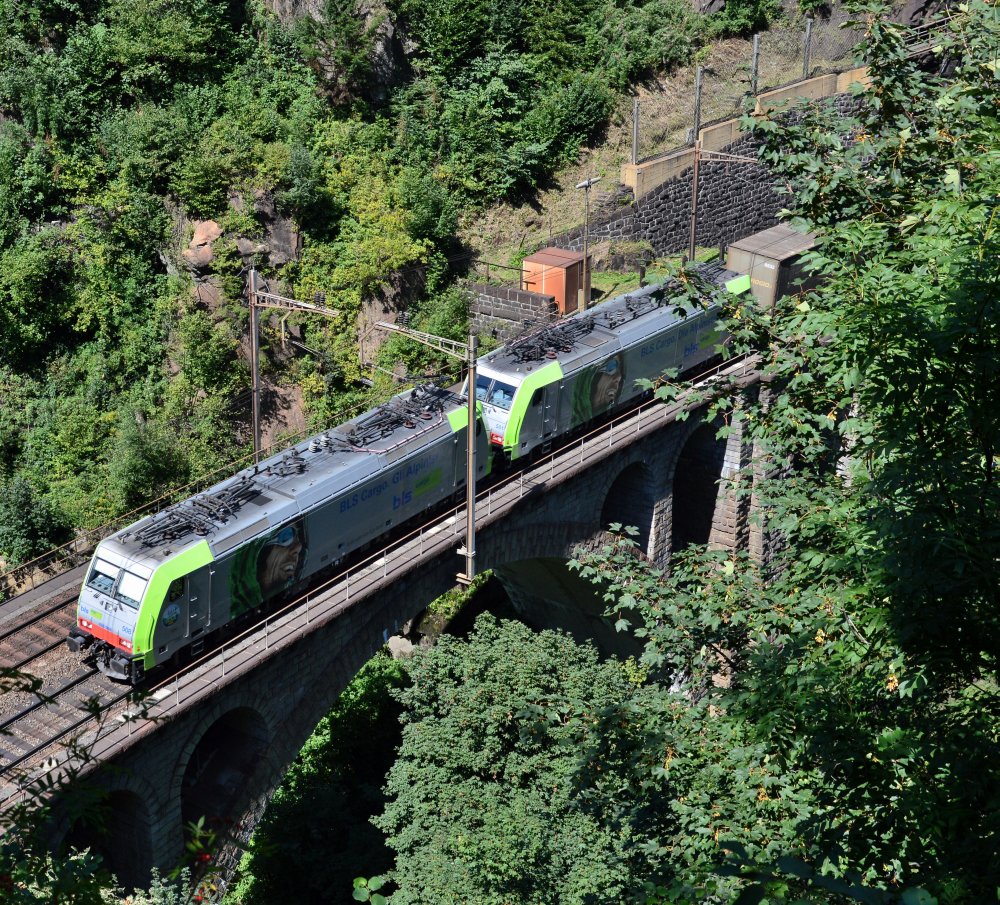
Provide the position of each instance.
(29, 525)
(446, 607)
(743, 17)
(27, 194)
(510, 783)
(342, 38)
(485, 122)
(367, 890)
(642, 38)
(317, 828)
(162, 890)
(208, 352)
(144, 462)
(36, 275)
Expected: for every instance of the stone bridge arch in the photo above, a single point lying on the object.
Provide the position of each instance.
(697, 473)
(227, 756)
(631, 500)
(117, 826)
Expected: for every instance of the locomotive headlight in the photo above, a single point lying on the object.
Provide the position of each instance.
(127, 645)
(86, 624)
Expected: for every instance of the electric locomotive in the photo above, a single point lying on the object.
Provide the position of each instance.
(157, 589)
(547, 383)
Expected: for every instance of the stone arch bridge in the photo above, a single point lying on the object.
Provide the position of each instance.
(229, 726)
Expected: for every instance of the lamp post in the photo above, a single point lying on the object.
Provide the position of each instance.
(468, 353)
(585, 185)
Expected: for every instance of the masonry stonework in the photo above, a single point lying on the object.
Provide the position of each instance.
(504, 312)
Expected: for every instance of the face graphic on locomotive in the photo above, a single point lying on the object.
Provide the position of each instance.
(280, 559)
(262, 569)
(606, 385)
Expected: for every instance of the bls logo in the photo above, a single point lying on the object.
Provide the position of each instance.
(399, 501)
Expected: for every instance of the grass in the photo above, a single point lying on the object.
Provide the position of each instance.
(606, 284)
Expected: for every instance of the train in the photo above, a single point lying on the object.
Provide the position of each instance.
(156, 592)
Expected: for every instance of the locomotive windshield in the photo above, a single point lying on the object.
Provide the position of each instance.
(495, 392)
(103, 575)
(130, 589)
(116, 582)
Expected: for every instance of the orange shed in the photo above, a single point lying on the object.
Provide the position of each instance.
(555, 272)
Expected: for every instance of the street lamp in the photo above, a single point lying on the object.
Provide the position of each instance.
(585, 185)
(467, 353)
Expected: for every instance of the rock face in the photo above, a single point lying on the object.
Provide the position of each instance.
(914, 12)
(198, 255)
(386, 54)
(282, 238)
(384, 304)
(281, 241)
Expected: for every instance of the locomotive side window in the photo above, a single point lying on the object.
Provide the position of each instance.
(536, 399)
(103, 575)
(176, 590)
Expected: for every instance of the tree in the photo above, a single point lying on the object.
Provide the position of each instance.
(510, 784)
(28, 524)
(144, 462)
(35, 298)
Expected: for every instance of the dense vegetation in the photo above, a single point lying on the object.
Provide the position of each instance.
(121, 121)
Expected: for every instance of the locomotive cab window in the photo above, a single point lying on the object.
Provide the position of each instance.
(482, 387)
(103, 575)
(536, 399)
(501, 395)
(176, 590)
(130, 589)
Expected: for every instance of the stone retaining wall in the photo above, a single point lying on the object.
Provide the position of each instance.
(503, 312)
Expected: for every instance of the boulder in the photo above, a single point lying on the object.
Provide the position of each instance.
(400, 648)
(198, 255)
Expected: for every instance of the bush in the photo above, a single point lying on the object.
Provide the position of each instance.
(145, 461)
(29, 525)
(35, 295)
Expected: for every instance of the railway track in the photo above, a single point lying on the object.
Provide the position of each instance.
(36, 634)
(29, 721)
